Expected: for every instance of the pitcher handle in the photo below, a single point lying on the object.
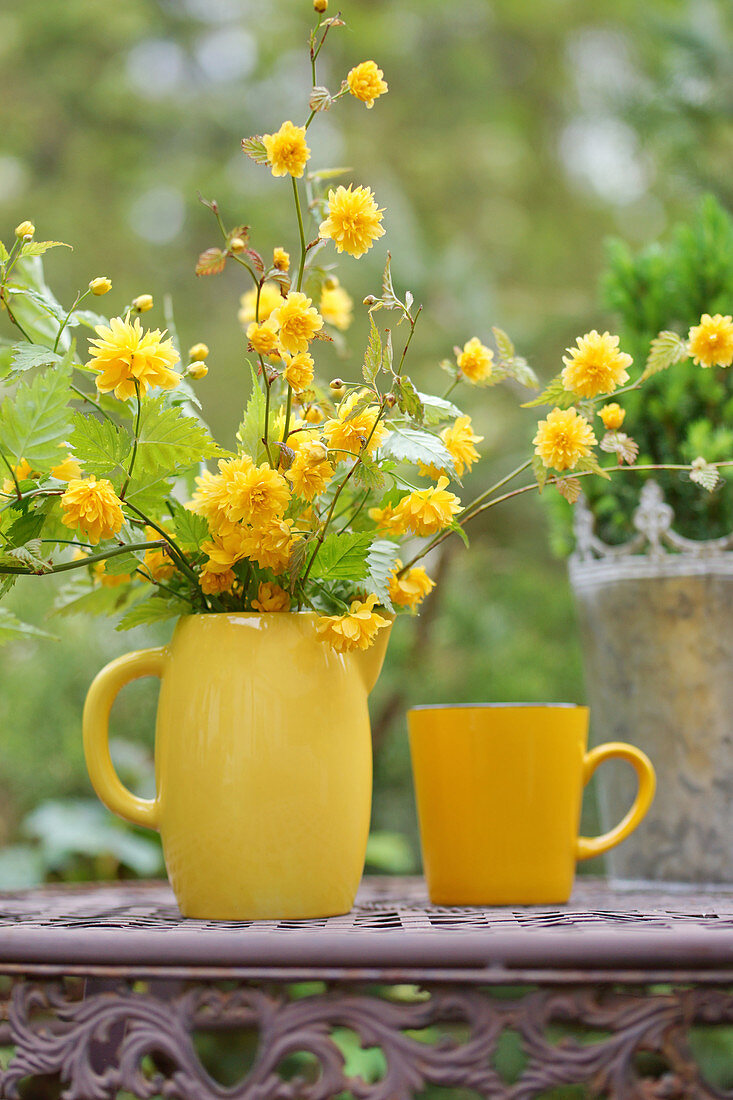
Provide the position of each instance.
(594, 846)
(99, 700)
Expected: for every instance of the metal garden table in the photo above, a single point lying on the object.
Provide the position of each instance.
(107, 990)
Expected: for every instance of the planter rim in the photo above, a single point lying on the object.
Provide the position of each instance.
(598, 571)
(485, 706)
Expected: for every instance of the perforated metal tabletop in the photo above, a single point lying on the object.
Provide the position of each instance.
(392, 925)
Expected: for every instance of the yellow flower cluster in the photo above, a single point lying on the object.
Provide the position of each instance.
(336, 306)
(563, 439)
(366, 82)
(355, 630)
(354, 220)
(422, 512)
(92, 507)
(711, 342)
(411, 588)
(310, 471)
(595, 365)
(355, 428)
(476, 361)
(130, 360)
(287, 150)
(459, 439)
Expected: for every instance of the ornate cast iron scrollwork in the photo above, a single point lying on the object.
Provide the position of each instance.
(55, 1032)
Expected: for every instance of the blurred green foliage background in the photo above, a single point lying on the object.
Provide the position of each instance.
(517, 135)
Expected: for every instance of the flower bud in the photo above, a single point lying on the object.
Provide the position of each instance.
(100, 285)
(198, 352)
(336, 383)
(320, 6)
(143, 303)
(25, 229)
(390, 400)
(236, 244)
(370, 300)
(281, 259)
(197, 370)
(330, 282)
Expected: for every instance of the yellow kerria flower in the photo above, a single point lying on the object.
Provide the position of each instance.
(263, 338)
(388, 521)
(563, 439)
(355, 630)
(711, 342)
(366, 83)
(411, 588)
(257, 495)
(270, 298)
(281, 259)
(271, 597)
(427, 511)
(67, 469)
(336, 307)
(129, 358)
(612, 416)
(157, 564)
(459, 439)
(93, 507)
(298, 372)
(352, 431)
(311, 471)
(270, 546)
(297, 320)
(475, 361)
(213, 581)
(287, 150)
(211, 498)
(595, 365)
(22, 472)
(353, 222)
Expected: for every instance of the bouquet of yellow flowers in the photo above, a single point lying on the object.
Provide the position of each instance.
(336, 491)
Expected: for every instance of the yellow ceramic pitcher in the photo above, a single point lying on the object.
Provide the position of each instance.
(499, 790)
(262, 759)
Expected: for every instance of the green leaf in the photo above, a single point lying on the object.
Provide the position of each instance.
(11, 628)
(35, 422)
(120, 564)
(408, 399)
(458, 530)
(154, 610)
(100, 447)
(4, 254)
(37, 248)
(590, 463)
(373, 355)
(504, 344)
(343, 557)
(568, 487)
(437, 409)
(555, 394)
(211, 262)
(540, 471)
(87, 318)
(24, 356)
(252, 427)
(665, 349)
(520, 370)
(191, 530)
(705, 474)
(413, 446)
(28, 555)
(255, 149)
(44, 302)
(381, 560)
(387, 353)
(389, 298)
(170, 443)
(77, 598)
(367, 474)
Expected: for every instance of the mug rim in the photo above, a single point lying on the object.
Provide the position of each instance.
(493, 706)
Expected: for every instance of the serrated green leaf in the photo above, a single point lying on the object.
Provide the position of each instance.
(504, 344)
(590, 464)
(568, 487)
(519, 369)
(665, 349)
(87, 318)
(35, 422)
(212, 261)
(169, 442)
(12, 629)
(155, 610)
(373, 354)
(408, 399)
(389, 298)
(415, 447)
(540, 471)
(37, 248)
(4, 254)
(190, 530)
(387, 353)
(255, 149)
(23, 356)
(343, 557)
(555, 394)
(367, 474)
(437, 409)
(100, 447)
(705, 474)
(28, 556)
(252, 428)
(44, 302)
(381, 560)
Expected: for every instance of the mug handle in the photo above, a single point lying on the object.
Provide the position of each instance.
(99, 700)
(642, 765)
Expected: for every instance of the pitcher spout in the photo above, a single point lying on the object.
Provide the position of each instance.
(369, 661)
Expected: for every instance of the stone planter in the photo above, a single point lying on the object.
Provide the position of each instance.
(656, 618)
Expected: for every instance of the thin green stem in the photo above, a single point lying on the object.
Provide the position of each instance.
(468, 510)
(413, 322)
(131, 467)
(288, 412)
(91, 401)
(176, 552)
(358, 511)
(79, 298)
(12, 317)
(450, 389)
(303, 248)
(13, 475)
(80, 563)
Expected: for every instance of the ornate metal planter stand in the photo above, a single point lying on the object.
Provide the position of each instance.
(656, 617)
(107, 990)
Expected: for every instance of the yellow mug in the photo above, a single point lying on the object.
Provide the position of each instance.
(499, 790)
